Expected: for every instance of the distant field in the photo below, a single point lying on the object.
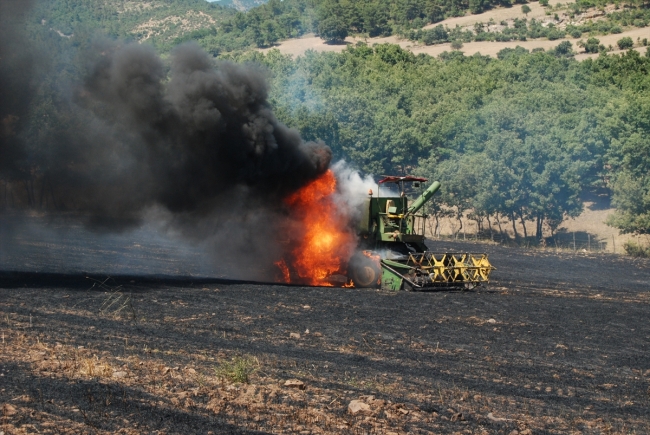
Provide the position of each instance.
(589, 228)
(298, 47)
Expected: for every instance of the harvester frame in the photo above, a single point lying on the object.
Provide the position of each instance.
(393, 253)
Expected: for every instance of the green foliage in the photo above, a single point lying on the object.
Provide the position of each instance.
(522, 29)
(625, 43)
(521, 136)
(239, 369)
(331, 29)
(564, 49)
(456, 44)
(636, 250)
(591, 46)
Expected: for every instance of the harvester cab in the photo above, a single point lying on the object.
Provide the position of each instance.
(392, 250)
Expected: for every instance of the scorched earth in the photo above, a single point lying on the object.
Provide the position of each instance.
(557, 343)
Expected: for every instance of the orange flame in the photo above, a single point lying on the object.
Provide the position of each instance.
(284, 270)
(328, 242)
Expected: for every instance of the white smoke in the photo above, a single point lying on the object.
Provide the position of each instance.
(353, 189)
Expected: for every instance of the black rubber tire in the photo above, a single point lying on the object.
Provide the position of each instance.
(364, 272)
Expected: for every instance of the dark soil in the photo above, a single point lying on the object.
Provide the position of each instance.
(557, 343)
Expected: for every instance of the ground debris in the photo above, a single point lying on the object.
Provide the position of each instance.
(408, 368)
(357, 406)
(295, 383)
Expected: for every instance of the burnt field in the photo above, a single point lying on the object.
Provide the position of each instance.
(557, 343)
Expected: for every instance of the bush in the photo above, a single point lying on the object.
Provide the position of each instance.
(616, 29)
(576, 33)
(543, 2)
(564, 49)
(591, 46)
(636, 250)
(456, 44)
(239, 370)
(625, 43)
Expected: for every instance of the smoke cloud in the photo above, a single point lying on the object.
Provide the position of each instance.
(188, 140)
(139, 140)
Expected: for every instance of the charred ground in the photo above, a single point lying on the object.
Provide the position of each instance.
(557, 343)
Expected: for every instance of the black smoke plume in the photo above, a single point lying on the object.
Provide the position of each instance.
(192, 137)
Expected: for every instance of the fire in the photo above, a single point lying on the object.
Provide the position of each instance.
(282, 265)
(327, 242)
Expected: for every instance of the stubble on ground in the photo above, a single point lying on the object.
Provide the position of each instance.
(556, 344)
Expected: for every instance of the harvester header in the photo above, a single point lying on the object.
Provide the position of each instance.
(393, 253)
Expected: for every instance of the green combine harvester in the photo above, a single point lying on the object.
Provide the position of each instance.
(393, 254)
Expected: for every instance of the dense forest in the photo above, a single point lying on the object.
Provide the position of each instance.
(520, 136)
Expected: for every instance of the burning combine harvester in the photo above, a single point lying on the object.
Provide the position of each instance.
(388, 249)
(394, 255)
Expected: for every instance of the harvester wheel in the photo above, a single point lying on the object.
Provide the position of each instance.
(364, 272)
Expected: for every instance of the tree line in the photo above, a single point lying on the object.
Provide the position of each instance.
(521, 136)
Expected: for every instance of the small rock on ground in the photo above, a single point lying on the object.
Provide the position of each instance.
(357, 406)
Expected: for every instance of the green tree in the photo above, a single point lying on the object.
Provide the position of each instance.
(591, 46)
(625, 43)
(525, 9)
(332, 29)
(630, 169)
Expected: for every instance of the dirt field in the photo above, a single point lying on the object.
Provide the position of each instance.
(589, 230)
(554, 345)
(298, 47)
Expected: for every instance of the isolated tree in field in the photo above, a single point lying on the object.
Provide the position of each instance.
(591, 46)
(625, 43)
(525, 9)
(543, 2)
(456, 44)
(332, 29)
(564, 49)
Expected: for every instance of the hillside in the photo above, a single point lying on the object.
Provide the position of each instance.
(240, 5)
(156, 21)
(506, 15)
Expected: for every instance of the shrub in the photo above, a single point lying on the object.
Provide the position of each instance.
(238, 370)
(591, 46)
(564, 49)
(576, 33)
(456, 44)
(616, 29)
(625, 43)
(636, 250)
(543, 3)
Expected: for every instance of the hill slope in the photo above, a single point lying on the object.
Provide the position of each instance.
(240, 5)
(157, 21)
